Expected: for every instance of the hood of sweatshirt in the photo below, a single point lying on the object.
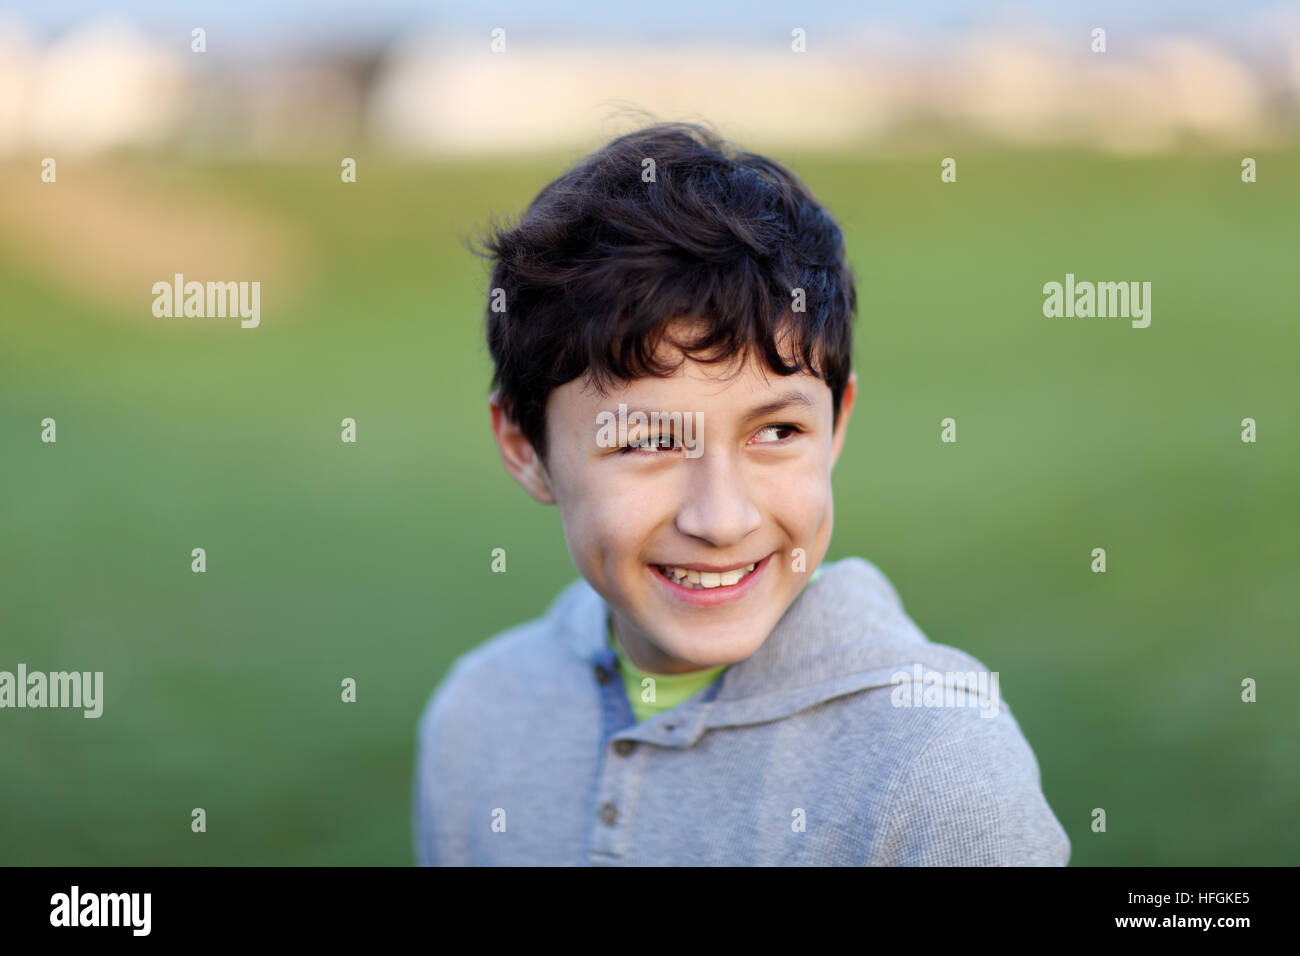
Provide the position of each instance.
(844, 633)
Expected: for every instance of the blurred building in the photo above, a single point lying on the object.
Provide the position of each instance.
(105, 85)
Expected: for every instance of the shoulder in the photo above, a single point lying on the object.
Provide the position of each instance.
(968, 792)
(964, 786)
(499, 671)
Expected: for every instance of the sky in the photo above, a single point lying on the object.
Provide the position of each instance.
(293, 21)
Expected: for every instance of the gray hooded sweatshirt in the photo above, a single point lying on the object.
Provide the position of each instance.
(846, 739)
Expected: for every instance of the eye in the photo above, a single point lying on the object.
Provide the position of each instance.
(666, 441)
(772, 429)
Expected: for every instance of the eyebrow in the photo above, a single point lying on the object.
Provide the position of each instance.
(786, 400)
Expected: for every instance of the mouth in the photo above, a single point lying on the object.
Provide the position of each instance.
(696, 580)
(709, 585)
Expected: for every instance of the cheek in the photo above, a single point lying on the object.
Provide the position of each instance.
(606, 524)
(800, 499)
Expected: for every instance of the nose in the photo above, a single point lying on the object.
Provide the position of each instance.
(717, 507)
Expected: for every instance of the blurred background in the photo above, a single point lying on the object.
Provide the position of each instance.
(328, 560)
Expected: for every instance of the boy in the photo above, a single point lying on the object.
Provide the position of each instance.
(673, 372)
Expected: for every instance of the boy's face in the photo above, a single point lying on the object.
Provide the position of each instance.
(755, 488)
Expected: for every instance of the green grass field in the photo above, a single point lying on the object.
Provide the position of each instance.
(371, 561)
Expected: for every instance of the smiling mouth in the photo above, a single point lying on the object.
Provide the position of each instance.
(705, 580)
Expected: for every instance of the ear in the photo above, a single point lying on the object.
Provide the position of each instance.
(846, 409)
(518, 454)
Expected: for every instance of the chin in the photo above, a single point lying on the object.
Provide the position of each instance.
(712, 651)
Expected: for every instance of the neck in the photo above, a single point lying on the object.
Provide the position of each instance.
(646, 655)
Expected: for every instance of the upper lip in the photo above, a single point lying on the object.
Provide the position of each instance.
(714, 568)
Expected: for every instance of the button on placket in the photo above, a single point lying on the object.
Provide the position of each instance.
(622, 775)
(619, 776)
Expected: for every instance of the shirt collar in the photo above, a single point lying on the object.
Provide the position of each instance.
(843, 633)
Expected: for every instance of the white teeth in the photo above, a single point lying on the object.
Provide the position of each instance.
(699, 580)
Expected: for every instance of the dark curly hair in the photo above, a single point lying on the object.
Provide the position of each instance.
(602, 262)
